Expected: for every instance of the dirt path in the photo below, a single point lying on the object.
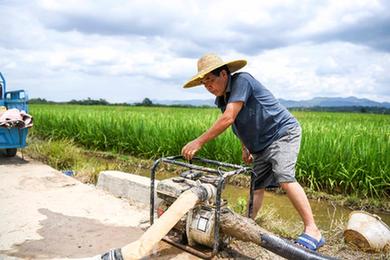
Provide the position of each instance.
(47, 215)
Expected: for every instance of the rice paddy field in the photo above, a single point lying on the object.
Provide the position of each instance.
(341, 153)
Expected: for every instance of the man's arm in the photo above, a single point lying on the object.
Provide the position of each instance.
(222, 123)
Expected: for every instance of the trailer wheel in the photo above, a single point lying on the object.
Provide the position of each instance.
(11, 152)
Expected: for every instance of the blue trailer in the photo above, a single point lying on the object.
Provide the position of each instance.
(14, 137)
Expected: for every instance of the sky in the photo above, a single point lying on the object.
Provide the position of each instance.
(124, 51)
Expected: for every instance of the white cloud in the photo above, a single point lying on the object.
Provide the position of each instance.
(332, 69)
(128, 50)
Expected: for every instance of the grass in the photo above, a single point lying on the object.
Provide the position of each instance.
(341, 153)
(64, 155)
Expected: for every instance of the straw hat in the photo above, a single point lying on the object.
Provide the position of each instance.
(210, 62)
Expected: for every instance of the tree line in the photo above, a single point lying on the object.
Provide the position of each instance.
(147, 102)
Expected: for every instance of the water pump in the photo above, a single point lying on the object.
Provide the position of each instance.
(198, 231)
(197, 226)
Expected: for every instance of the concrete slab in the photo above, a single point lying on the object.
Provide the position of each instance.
(125, 185)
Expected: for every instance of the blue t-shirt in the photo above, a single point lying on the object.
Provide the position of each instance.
(262, 118)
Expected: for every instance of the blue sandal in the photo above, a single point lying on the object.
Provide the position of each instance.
(310, 242)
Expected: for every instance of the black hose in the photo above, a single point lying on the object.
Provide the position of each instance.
(288, 249)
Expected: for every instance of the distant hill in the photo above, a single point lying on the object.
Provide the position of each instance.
(314, 102)
(334, 102)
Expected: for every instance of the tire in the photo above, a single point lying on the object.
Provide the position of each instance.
(11, 152)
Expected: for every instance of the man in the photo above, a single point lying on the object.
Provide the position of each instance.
(269, 134)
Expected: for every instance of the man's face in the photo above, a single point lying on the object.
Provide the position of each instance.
(216, 85)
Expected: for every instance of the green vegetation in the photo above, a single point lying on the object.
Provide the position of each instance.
(147, 102)
(342, 153)
(347, 109)
(87, 164)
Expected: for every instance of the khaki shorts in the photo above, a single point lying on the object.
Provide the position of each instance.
(276, 163)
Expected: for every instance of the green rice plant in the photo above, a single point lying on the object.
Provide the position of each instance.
(347, 152)
(240, 206)
(343, 153)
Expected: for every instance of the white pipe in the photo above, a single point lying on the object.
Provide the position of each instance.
(186, 201)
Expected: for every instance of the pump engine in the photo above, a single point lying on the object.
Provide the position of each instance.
(197, 226)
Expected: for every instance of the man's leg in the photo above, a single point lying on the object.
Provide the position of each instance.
(258, 196)
(263, 178)
(298, 198)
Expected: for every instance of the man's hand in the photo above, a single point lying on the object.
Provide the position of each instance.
(246, 156)
(191, 148)
(223, 122)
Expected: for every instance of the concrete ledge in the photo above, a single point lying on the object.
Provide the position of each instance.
(126, 185)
